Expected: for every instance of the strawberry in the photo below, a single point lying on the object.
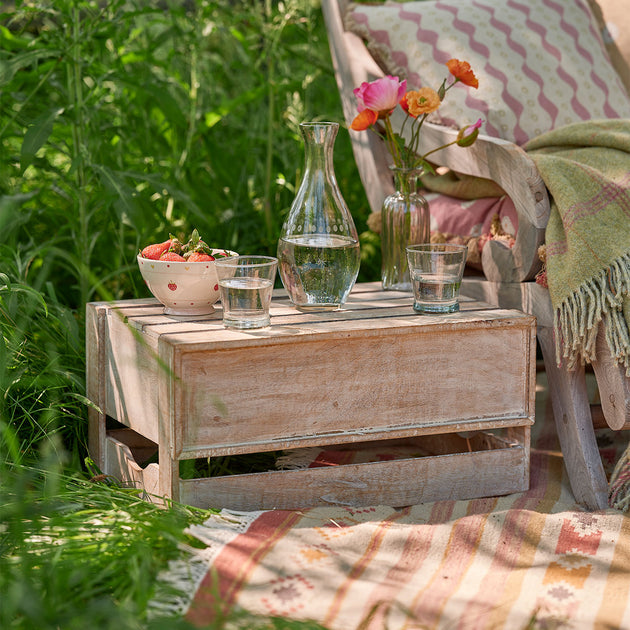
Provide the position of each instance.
(199, 257)
(172, 256)
(194, 250)
(153, 252)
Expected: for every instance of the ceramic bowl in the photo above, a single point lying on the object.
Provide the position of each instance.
(184, 288)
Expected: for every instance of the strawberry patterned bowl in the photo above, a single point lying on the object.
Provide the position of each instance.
(184, 288)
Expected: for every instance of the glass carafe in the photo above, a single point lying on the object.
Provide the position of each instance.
(318, 250)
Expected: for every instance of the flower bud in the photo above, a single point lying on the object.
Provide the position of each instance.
(467, 135)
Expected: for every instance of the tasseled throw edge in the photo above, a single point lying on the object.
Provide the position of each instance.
(177, 585)
(577, 319)
(619, 485)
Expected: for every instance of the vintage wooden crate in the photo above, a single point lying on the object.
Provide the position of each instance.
(373, 372)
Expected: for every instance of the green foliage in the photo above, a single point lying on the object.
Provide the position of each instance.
(124, 121)
(72, 551)
(77, 554)
(42, 363)
(121, 122)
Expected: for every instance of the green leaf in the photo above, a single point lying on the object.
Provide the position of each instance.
(247, 96)
(36, 135)
(9, 67)
(159, 96)
(13, 214)
(112, 181)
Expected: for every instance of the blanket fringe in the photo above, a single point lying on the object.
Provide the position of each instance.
(619, 485)
(178, 584)
(577, 319)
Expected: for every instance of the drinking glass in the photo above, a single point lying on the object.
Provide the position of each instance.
(246, 285)
(436, 275)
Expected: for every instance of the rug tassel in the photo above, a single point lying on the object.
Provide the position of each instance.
(177, 585)
(297, 459)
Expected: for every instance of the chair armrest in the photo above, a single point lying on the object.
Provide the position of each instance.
(511, 168)
(353, 65)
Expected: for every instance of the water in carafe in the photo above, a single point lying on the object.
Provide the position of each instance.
(318, 250)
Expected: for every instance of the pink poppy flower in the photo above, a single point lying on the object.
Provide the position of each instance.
(380, 96)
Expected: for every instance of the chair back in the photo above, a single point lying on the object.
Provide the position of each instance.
(497, 159)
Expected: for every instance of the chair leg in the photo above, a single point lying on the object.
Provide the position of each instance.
(613, 384)
(574, 425)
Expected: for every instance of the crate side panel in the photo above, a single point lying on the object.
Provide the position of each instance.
(95, 379)
(120, 464)
(352, 383)
(131, 377)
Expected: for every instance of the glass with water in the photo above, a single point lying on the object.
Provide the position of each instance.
(436, 275)
(318, 247)
(246, 286)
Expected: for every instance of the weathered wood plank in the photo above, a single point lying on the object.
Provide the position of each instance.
(494, 466)
(397, 483)
(359, 381)
(121, 464)
(574, 425)
(440, 429)
(95, 381)
(613, 384)
(132, 372)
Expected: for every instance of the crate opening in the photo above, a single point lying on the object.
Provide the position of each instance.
(145, 452)
(390, 450)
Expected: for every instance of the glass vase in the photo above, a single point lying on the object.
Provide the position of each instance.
(318, 250)
(405, 220)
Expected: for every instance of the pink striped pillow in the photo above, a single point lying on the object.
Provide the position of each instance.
(541, 64)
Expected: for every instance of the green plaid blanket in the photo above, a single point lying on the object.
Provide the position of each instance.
(586, 168)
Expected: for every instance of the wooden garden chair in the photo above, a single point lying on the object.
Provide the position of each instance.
(509, 273)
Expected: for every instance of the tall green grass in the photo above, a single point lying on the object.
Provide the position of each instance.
(76, 555)
(120, 122)
(123, 121)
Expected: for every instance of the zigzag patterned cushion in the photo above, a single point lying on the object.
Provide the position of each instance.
(541, 64)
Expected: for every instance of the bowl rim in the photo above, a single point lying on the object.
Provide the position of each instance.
(140, 257)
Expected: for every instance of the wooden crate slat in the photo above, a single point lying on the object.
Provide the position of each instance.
(351, 437)
(395, 483)
(352, 384)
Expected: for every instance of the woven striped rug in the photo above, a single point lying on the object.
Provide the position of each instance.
(528, 560)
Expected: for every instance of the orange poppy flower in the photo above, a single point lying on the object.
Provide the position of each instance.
(364, 119)
(423, 101)
(405, 105)
(462, 71)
